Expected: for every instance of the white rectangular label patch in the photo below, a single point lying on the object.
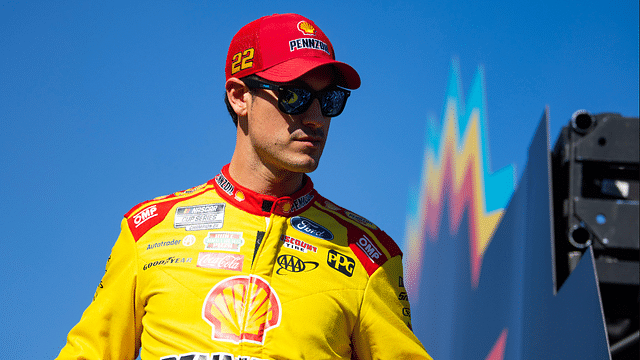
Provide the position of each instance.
(199, 217)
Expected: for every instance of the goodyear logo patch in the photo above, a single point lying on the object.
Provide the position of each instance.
(169, 260)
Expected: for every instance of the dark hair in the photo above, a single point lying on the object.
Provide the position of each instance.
(233, 114)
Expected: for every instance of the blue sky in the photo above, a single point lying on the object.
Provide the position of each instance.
(107, 104)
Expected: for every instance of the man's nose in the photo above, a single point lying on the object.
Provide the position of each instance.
(313, 117)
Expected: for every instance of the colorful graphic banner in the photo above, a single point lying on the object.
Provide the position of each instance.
(479, 271)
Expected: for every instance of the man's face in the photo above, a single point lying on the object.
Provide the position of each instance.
(289, 142)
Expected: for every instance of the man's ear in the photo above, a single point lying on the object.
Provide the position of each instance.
(238, 95)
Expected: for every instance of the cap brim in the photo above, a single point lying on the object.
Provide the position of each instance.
(290, 70)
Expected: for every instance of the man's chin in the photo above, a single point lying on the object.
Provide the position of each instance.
(306, 166)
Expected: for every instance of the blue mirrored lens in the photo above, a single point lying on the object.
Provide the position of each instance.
(295, 101)
(332, 102)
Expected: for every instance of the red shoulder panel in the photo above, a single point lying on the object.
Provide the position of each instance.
(361, 241)
(144, 216)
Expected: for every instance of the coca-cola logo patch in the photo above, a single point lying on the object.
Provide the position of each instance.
(220, 261)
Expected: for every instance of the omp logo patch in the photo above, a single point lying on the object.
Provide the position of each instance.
(242, 309)
(145, 214)
(368, 247)
(341, 262)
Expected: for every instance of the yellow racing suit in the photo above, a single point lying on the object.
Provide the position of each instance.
(219, 272)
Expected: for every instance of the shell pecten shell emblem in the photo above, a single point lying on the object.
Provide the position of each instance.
(241, 308)
(306, 28)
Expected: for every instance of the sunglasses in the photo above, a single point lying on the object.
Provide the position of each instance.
(295, 100)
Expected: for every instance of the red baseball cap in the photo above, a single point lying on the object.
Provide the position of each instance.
(283, 47)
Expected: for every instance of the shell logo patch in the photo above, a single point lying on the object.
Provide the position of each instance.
(233, 299)
(306, 28)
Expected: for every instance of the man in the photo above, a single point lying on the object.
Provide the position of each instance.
(255, 264)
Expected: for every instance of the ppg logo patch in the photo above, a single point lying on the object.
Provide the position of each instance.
(341, 262)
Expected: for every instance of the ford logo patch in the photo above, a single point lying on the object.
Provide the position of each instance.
(309, 227)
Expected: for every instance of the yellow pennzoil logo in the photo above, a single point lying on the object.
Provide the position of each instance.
(306, 28)
(239, 297)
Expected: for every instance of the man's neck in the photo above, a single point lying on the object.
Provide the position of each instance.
(264, 180)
